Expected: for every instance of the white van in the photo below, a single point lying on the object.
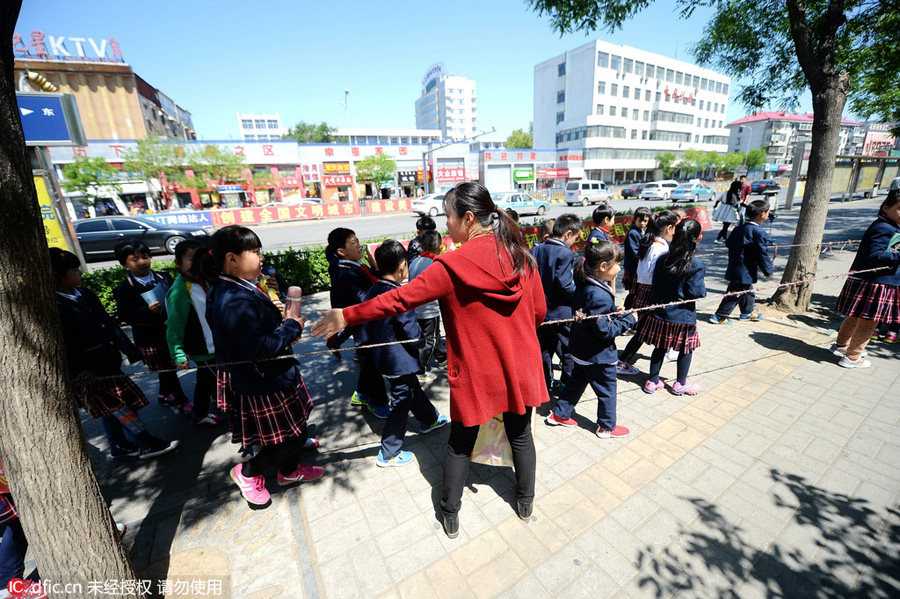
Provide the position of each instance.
(658, 190)
(587, 192)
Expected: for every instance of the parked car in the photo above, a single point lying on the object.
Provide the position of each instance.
(587, 192)
(658, 190)
(632, 191)
(693, 192)
(520, 202)
(764, 186)
(99, 236)
(429, 205)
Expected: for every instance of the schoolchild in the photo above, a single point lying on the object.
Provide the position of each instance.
(639, 221)
(428, 315)
(679, 277)
(604, 219)
(425, 223)
(546, 230)
(258, 380)
(93, 343)
(399, 363)
(147, 319)
(654, 243)
(748, 253)
(555, 261)
(350, 280)
(188, 334)
(592, 342)
(868, 298)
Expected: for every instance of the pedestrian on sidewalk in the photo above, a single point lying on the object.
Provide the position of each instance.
(868, 298)
(679, 277)
(492, 303)
(429, 315)
(593, 340)
(259, 382)
(726, 211)
(399, 363)
(748, 253)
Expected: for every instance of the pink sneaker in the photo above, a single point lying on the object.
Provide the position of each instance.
(253, 488)
(688, 388)
(303, 474)
(653, 387)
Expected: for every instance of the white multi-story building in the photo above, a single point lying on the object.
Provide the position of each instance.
(260, 127)
(780, 132)
(448, 103)
(608, 110)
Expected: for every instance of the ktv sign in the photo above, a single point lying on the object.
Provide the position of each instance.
(49, 47)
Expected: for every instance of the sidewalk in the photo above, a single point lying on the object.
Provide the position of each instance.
(780, 479)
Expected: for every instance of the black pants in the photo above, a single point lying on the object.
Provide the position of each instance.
(406, 396)
(370, 383)
(204, 387)
(554, 339)
(746, 302)
(284, 455)
(723, 234)
(431, 332)
(459, 451)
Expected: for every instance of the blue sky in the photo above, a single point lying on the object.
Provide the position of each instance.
(215, 58)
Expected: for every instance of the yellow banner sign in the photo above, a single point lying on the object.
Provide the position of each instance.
(52, 228)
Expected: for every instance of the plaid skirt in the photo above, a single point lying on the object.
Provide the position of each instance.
(156, 357)
(641, 296)
(102, 397)
(264, 419)
(870, 301)
(669, 335)
(629, 281)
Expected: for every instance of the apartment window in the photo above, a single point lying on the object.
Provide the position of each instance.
(703, 84)
(602, 59)
(647, 95)
(740, 129)
(718, 87)
(634, 114)
(658, 96)
(639, 68)
(634, 134)
(722, 109)
(679, 78)
(701, 104)
(601, 87)
(272, 124)
(720, 124)
(615, 62)
(560, 117)
(725, 88)
(560, 97)
(612, 111)
(737, 141)
(696, 138)
(629, 65)
(646, 115)
(250, 137)
(600, 109)
(651, 70)
(706, 123)
(626, 91)
(670, 75)
(561, 69)
(637, 94)
(716, 107)
(614, 89)
(260, 124)
(643, 135)
(247, 123)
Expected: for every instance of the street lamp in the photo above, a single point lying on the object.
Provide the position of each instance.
(346, 108)
(430, 150)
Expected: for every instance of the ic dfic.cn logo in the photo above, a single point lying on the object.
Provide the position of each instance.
(22, 588)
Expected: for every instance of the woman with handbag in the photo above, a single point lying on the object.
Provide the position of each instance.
(492, 302)
(726, 212)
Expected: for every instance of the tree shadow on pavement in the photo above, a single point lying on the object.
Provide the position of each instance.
(841, 547)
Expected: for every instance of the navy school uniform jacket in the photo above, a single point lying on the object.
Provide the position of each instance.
(597, 235)
(747, 253)
(148, 328)
(246, 325)
(594, 339)
(93, 339)
(394, 360)
(874, 252)
(348, 288)
(555, 261)
(666, 290)
(632, 245)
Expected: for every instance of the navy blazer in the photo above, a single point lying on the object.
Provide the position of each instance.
(246, 325)
(874, 252)
(597, 235)
(594, 340)
(148, 328)
(747, 253)
(349, 286)
(632, 245)
(666, 290)
(555, 261)
(93, 339)
(392, 360)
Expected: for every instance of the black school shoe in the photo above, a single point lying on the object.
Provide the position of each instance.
(524, 510)
(451, 525)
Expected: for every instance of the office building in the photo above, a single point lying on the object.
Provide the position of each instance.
(448, 103)
(260, 127)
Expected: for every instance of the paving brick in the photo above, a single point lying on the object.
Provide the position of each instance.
(370, 568)
(478, 551)
(414, 556)
(402, 535)
(520, 539)
(634, 511)
(416, 586)
(337, 577)
(527, 587)
(621, 459)
(595, 584)
(447, 580)
(658, 531)
(497, 575)
(562, 567)
(682, 510)
(640, 473)
(604, 555)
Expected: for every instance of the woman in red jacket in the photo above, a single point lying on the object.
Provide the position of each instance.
(491, 302)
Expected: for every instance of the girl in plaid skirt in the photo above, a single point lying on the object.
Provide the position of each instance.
(259, 383)
(871, 297)
(679, 276)
(632, 246)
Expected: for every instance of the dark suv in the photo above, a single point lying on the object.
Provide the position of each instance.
(764, 186)
(632, 191)
(98, 236)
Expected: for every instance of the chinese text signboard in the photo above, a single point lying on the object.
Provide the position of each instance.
(383, 206)
(258, 216)
(52, 228)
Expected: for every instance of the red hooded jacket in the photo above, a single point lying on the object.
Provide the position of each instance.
(491, 315)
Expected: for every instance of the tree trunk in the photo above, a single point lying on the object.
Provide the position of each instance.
(828, 109)
(65, 518)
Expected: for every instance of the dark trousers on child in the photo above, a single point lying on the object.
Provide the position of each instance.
(370, 383)
(204, 387)
(602, 379)
(459, 450)
(554, 339)
(406, 396)
(12, 553)
(284, 455)
(746, 301)
(431, 332)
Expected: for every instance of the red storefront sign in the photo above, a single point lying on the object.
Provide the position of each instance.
(552, 173)
(336, 168)
(381, 206)
(451, 175)
(335, 180)
(256, 216)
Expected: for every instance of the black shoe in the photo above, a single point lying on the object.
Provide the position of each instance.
(524, 510)
(156, 448)
(451, 525)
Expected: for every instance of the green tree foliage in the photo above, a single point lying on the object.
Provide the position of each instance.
(664, 161)
(519, 140)
(92, 177)
(378, 170)
(755, 158)
(731, 162)
(154, 158)
(310, 133)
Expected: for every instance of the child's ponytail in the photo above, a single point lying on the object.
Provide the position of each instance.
(657, 224)
(595, 255)
(233, 239)
(676, 264)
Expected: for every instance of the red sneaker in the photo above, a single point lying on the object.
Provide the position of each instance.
(619, 432)
(554, 420)
(303, 474)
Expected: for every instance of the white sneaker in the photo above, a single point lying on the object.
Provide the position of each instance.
(840, 351)
(848, 363)
(671, 356)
